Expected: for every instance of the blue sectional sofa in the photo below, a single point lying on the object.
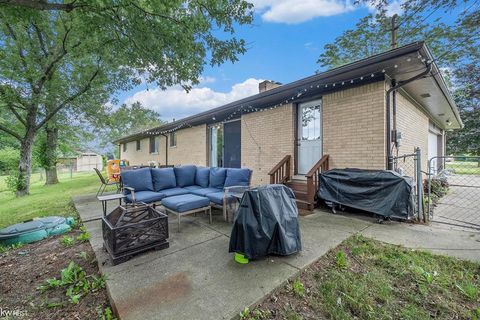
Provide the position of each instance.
(152, 185)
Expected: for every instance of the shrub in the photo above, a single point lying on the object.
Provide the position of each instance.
(9, 158)
(15, 181)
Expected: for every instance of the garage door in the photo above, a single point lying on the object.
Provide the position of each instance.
(433, 151)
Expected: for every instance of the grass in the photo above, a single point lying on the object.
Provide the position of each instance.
(45, 200)
(372, 280)
(465, 167)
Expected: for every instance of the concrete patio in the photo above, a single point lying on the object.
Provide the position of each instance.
(196, 278)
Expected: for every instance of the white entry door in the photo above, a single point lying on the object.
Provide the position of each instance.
(309, 135)
(433, 151)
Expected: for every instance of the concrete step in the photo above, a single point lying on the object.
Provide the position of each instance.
(301, 195)
(297, 185)
(304, 205)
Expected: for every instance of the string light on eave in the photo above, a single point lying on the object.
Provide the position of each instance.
(248, 109)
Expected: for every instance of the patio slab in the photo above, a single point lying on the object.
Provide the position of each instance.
(196, 277)
(434, 238)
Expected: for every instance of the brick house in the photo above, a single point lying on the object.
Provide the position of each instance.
(339, 115)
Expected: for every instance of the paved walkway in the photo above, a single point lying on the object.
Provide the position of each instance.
(460, 207)
(196, 278)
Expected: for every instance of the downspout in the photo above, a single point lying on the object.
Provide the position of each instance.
(166, 148)
(394, 88)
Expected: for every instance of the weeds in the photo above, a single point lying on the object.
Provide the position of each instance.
(105, 314)
(469, 290)
(298, 288)
(67, 241)
(341, 261)
(75, 282)
(6, 249)
(84, 237)
(255, 314)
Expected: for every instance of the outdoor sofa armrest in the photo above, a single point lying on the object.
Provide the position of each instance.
(236, 188)
(132, 191)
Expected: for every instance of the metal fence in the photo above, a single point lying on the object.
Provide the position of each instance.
(453, 191)
(411, 165)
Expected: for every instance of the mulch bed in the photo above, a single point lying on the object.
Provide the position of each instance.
(24, 269)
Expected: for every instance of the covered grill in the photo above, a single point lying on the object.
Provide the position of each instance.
(266, 223)
(382, 192)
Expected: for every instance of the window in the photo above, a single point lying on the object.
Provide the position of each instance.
(216, 146)
(139, 145)
(173, 139)
(125, 147)
(154, 143)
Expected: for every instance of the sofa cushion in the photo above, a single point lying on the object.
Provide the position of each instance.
(237, 177)
(139, 179)
(205, 191)
(217, 197)
(202, 177)
(163, 178)
(217, 177)
(185, 175)
(191, 188)
(174, 192)
(145, 196)
(185, 202)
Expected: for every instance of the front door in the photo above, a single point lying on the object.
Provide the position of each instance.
(309, 135)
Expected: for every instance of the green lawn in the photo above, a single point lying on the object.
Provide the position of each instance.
(45, 200)
(464, 167)
(366, 279)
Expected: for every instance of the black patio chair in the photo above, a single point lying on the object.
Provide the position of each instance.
(105, 183)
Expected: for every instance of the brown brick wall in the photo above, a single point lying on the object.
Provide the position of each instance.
(266, 138)
(353, 134)
(354, 127)
(191, 147)
(143, 156)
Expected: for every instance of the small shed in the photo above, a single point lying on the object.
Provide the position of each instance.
(83, 161)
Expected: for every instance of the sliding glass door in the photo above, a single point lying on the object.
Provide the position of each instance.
(225, 145)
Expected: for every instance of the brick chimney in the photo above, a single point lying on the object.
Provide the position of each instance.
(268, 85)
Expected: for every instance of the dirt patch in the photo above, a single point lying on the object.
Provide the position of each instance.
(24, 269)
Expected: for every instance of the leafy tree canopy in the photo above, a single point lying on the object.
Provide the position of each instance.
(56, 56)
(455, 43)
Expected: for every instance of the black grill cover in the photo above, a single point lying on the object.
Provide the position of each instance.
(266, 223)
(382, 192)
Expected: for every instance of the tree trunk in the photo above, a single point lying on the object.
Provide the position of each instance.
(25, 164)
(51, 155)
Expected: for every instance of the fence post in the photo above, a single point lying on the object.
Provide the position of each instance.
(419, 185)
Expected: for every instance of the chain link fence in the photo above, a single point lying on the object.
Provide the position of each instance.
(453, 191)
(410, 165)
(64, 171)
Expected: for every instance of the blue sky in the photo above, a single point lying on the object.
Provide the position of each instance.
(284, 44)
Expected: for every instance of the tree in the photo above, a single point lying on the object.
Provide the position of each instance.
(454, 43)
(52, 54)
(467, 97)
(455, 47)
(128, 120)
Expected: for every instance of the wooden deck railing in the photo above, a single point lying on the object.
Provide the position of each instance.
(312, 178)
(281, 172)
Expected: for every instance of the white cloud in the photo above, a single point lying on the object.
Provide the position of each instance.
(392, 8)
(176, 103)
(298, 11)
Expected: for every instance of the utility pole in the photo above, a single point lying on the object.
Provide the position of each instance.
(394, 31)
